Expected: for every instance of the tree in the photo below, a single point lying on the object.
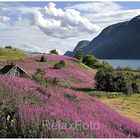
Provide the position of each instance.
(79, 55)
(57, 66)
(54, 52)
(43, 59)
(90, 61)
(125, 81)
(104, 79)
(106, 65)
(8, 47)
(109, 80)
(63, 63)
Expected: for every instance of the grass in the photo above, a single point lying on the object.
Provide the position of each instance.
(6, 54)
(128, 106)
(84, 67)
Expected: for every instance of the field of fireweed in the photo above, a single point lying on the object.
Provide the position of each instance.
(28, 109)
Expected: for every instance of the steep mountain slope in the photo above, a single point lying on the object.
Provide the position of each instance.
(81, 45)
(118, 41)
(34, 110)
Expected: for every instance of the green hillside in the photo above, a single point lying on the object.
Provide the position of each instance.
(11, 54)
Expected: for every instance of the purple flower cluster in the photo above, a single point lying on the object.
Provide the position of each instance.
(94, 118)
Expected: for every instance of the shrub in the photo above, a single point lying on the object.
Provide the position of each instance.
(106, 65)
(90, 61)
(124, 83)
(70, 96)
(8, 47)
(60, 65)
(109, 80)
(43, 59)
(43, 91)
(40, 80)
(79, 55)
(54, 52)
(104, 79)
(57, 66)
(124, 68)
(40, 72)
(136, 87)
(55, 81)
(62, 62)
(38, 77)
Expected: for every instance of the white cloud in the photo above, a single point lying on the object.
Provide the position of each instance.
(99, 7)
(62, 23)
(105, 13)
(29, 47)
(5, 19)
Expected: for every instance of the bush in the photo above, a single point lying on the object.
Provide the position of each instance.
(124, 83)
(43, 59)
(79, 55)
(54, 52)
(109, 80)
(70, 96)
(57, 66)
(60, 65)
(40, 72)
(8, 47)
(55, 81)
(62, 62)
(40, 80)
(104, 79)
(136, 87)
(92, 62)
(124, 68)
(106, 65)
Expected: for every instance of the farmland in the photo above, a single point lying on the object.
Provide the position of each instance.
(30, 109)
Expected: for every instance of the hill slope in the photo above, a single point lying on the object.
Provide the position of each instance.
(11, 54)
(118, 41)
(58, 110)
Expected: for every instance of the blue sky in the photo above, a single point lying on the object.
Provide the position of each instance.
(41, 26)
(127, 5)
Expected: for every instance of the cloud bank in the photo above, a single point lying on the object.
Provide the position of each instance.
(42, 28)
(62, 23)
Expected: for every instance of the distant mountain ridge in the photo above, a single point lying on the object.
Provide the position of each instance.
(81, 45)
(118, 41)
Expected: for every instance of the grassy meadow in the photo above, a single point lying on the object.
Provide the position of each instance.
(128, 106)
(7, 54)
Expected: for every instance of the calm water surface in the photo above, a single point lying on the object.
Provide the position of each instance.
(134, 64)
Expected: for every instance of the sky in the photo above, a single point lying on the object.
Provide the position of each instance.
(42, 26)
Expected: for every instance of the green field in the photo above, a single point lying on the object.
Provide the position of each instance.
(6, 54)
(129, 106)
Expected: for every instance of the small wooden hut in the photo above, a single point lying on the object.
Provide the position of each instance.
(14, 70)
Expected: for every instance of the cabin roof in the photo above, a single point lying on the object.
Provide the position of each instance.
(7, 68)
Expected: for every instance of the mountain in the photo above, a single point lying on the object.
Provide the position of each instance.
(118, 41)
(81, 45)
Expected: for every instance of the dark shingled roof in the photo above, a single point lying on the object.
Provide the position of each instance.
(6, 69)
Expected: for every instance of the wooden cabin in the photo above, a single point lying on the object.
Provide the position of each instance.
(14, 70)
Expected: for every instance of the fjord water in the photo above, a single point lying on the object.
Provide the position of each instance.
(134, 64)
